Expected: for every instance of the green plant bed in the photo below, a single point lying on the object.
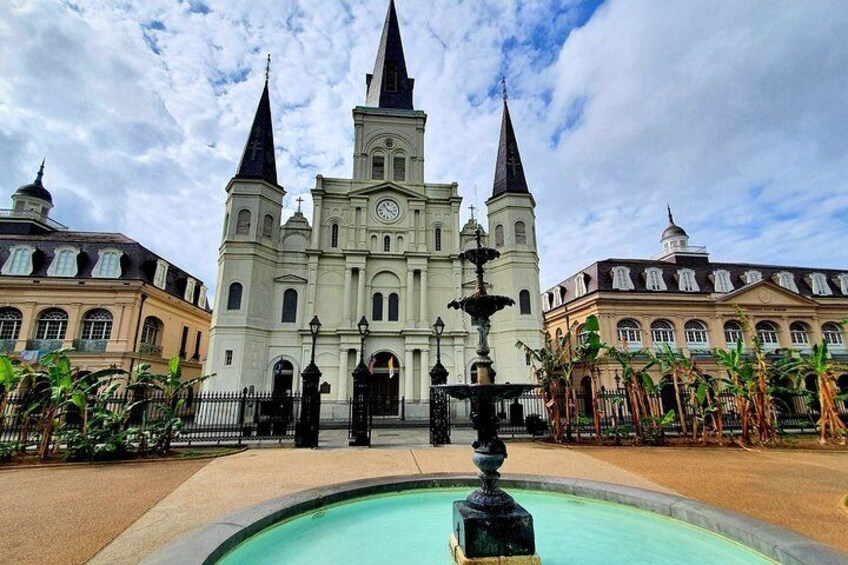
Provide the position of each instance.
(176, 454)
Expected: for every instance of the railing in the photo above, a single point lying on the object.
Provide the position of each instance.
(44, 345)
(90, 345)
(29, 215)
(150, 349)
(7, 345)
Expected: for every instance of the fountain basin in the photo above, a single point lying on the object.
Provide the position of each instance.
(411, 513)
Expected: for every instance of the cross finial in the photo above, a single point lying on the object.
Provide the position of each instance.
(503, 88)
(299, 201)
(40, 171)
(472, 208)
(268, 68)
(670, 217)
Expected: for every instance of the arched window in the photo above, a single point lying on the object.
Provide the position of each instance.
(243, 222)
(662, 332)
(733, 333)
(151, 331)
(334, 235)
(97, 324)
(10, 323)
(290, 306)
(394, 302)
(524, 301)
(399, 167)
(630, 333)
(499, 236)
(52, 324)
(800, 334)
(832, 335)
(268, 226)
(387, 244)
(377, 307)
(378, 167)
(520, 233)
(582, 335)
(767, 332)
(234, 296)
(696, 334)
(438, 236)
(558, 338)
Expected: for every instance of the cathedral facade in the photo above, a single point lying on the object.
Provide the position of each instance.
(383, 245)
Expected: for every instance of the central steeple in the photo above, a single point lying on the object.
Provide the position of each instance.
(509, 172)
(389, 86)
(258, 160)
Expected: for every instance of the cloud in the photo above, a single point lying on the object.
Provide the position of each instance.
(730, 111)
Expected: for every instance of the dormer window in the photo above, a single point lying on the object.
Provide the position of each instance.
(189, 290)
(843, 283)
(818, 282)
(108, 264)
(19, 261)
(786, 280)
(621, 278)
(378, 166)
(751, 277)
(399, 167)
(161, 276)
(686, 280)
(654, 279)
(580, 284)
(201, 298)
(721, 281)
(64, 262)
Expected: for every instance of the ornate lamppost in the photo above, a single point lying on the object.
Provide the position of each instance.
(439, 413)
(360, 408)
(306, 434)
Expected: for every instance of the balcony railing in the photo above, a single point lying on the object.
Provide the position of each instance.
(90, 345)
(29, 215)
(7, 345)
(44, 345)
(150, 349)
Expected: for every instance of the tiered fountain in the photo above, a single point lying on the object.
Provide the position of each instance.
(488, 525)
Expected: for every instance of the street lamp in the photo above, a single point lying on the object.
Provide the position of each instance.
(360, 424)
(306, 434)
(439, 416)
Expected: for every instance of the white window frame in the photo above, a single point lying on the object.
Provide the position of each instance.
(188, 295)
(53, 328)
(842, 278)
(786, 280)
(621, 278)
(201, 298)
(735, 335)
(161, 276)
(96, 328)
(580, 287)
(800, 338)
(752, 276)
(663, 336)
(654, 280)
(769, 338)
(722, 281)
(696, 338)
(832, 335)
(631, 336)
(19, 262)
(686, 281)
(103, 261)
(819, 286)
(58, 269)
(11, 320)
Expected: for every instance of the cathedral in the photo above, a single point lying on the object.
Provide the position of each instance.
(383, 245)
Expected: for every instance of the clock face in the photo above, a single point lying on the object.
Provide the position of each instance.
(388, 210)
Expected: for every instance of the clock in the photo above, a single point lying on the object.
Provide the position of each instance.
(388, 210)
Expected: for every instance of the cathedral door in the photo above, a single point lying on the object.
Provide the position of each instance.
(385, 386)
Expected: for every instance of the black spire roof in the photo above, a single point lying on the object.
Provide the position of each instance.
(389, 86)
(35, 189)
(258, 161)
(509, 172)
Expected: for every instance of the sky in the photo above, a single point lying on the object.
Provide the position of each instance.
(735, 113)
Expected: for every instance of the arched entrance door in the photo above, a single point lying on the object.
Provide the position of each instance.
(811, 383)
(385, 384)
(669, 402)
(586, 391)
(283, 378)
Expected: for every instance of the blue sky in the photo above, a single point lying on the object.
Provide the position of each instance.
(734, 112)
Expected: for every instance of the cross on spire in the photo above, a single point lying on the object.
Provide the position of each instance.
(299, 201)
(514, 164)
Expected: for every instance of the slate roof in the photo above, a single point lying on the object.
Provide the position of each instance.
(509, 171)
(389, 86)
(258, 160)
(137, 263)
(599, 276)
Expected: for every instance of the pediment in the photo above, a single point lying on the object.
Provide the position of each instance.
(387, 186)
(766, 293)
(290, 279)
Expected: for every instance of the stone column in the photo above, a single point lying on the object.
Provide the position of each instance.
(348, 276)
(408, 375)
(459, 362)
(316, 224)
(423, 316)
(410, 289)
(341, 393)
(422, 239)
(360, 294)
(311, 286)
(413, 230)
(425, 375)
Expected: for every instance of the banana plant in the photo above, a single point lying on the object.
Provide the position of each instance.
(677, 365)
(589, 353)
(636, 379)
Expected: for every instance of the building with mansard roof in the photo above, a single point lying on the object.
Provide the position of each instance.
(683, 299)
(383, 244)
(115, 302)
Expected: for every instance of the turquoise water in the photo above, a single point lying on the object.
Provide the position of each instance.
(412, 528)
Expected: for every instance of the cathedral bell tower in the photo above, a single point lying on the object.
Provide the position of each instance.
(242, 319)
(512, 230)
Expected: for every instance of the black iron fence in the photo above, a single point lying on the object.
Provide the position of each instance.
(239, 417)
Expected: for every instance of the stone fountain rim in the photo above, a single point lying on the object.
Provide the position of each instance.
(209, 543)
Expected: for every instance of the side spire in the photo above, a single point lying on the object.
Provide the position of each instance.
(509, 172)
(389, 86)
(258, 160)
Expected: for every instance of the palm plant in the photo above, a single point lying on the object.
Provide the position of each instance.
(635, 381)
(9, 380)
(676, 364)
(589, 353)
